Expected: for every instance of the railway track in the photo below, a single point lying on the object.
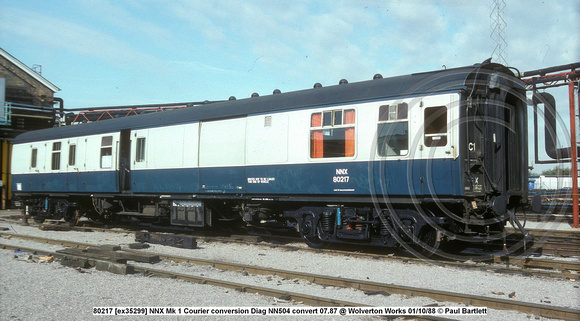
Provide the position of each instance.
(552, 242)
(285, 295)
(552, 216)
(522, 265)
(546, 233)
(442, 296)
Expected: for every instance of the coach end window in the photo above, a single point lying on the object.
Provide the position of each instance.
(33, 157)
(107, 152)
(393, 130)
(332, 134)
(436, 126)
(140, 152)
(55, 164)
(72, 155)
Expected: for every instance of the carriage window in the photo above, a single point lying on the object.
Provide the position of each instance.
(107, 152)
(332, 134)
(393, 130)
(33, 157)
(436, 126)
(55, 164)
(140, 157)
(393, 112)
(72, 155)
(327, 120)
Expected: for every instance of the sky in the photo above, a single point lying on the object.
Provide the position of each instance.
(131, 52)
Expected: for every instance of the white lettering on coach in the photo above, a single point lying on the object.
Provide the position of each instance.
(260, 180)
(342, 176)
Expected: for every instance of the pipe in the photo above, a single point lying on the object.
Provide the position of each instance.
(574, 156)
(61, 103)
(550, 127)
(544, 71)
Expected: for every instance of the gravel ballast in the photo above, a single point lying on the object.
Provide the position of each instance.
(50, 291)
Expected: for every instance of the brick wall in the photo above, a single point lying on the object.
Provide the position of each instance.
(23, 88)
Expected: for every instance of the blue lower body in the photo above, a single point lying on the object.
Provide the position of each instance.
(439, 177)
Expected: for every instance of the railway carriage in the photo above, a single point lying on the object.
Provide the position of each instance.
(413, 159)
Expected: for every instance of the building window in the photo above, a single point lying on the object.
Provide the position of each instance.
(107, 152)
(33, 157)
(332, 134)
(55, 164)
(393, 130)
(436, 126)
(72, 155)
(140, 157)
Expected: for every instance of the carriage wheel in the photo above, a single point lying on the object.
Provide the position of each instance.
(431, 241)
(73, 219)
(315, 240)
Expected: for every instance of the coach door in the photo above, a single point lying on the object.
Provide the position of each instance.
(504, 148)
(222, 154)
(437, 147)
(124, 161)
(72, 165)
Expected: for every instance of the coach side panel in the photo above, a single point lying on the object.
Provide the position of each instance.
(222, 156)
(165, 159)
(396, 148)
(70, 165)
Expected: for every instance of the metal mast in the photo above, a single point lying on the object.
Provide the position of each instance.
(498, 28)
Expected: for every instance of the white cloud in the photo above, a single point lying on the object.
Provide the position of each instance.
(542, 34)
(235, 46)
(76, 38)
(131, 22)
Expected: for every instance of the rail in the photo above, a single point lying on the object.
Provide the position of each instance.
(444, 296)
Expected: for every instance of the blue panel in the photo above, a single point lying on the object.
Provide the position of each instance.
(393, 178)
(280, 179)
(427, 177)
(72, 179)
(396, 178)
(405, 177)
(97, 182)
(165, 181)
(444, 177)
(26, 181)
(222, 180)
(53, 182)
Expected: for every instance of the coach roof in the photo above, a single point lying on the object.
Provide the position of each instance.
(384, 88)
